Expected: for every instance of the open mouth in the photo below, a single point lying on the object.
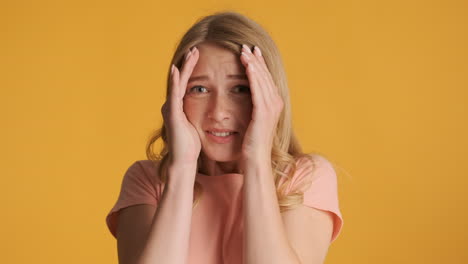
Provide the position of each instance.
(221, 136)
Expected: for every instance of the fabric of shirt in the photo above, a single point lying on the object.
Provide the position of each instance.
(216, 234)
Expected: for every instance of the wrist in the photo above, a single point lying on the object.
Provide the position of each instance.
(181, 174)
(184, 167)
(255, 162)
(256, 157)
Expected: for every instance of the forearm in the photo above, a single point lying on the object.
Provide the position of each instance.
(265, 239)
(168, 239)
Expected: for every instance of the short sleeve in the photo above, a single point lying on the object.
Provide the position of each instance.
(138, 187)
(322, 193)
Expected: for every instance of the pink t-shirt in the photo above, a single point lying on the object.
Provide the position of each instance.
(217, 221)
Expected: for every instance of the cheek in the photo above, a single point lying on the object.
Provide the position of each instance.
(244, 110)
(193, 110)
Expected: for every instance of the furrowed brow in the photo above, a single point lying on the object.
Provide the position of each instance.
(230, 76)
(198, 78)
(237, 76)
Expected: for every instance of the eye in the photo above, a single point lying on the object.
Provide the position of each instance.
(242, 89)
(198, 89)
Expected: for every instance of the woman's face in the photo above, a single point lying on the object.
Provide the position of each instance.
(218, 103)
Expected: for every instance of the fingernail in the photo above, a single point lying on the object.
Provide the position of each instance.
(188, 54)
(258, 50)
(246, 48)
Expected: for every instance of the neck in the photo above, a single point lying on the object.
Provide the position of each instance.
(212, 167)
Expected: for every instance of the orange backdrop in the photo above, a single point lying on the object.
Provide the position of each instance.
(379, 87)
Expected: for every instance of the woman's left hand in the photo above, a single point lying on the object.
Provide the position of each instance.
(267, 107)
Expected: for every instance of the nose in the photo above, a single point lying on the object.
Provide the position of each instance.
(219, 108)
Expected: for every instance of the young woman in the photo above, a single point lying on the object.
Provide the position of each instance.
(231, 184)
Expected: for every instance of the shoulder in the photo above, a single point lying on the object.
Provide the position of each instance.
(147, 170)
(315, 165)
(314, 158)
(147, 165)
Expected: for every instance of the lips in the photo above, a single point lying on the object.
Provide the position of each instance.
(220, 131)
(221, 135)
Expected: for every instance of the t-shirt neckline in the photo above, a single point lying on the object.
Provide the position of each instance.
(219, 175)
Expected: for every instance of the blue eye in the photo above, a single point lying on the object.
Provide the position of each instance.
(198, 89)
(242, 89)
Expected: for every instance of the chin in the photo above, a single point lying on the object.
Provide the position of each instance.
(221, 155)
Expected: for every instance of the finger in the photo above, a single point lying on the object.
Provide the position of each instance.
(258, 78)
(174, 82)
(260, 57)
(258, 97)
(255, 58)
(266, 75)
(176, 97)
(187, 68)
(273, 93)
(259, 63)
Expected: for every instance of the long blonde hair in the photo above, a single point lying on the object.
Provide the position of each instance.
(230, 30)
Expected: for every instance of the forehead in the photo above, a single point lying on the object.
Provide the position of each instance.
(215, 59)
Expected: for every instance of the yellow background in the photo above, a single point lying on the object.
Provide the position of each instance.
(379, 87)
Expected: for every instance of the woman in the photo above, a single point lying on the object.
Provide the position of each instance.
(231, 184)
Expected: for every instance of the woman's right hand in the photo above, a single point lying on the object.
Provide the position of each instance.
(183, 139)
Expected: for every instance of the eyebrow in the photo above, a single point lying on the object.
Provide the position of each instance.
(230, 76)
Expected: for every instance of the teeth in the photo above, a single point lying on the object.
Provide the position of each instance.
(222, 134)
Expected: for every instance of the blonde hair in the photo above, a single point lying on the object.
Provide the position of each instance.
(230, 30)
